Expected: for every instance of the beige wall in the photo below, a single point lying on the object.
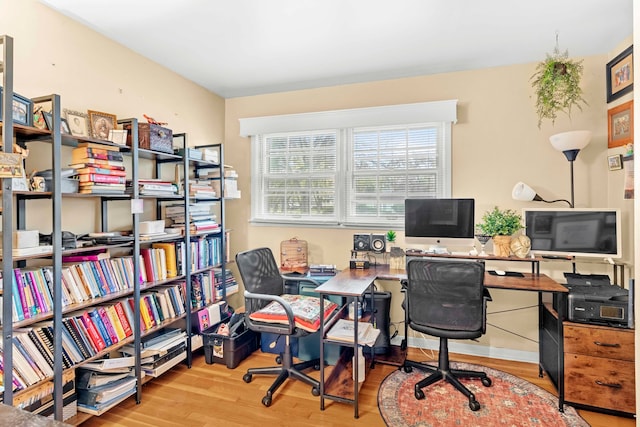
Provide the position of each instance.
(496, 142)
(53, 54)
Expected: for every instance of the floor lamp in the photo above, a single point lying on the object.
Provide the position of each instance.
(570, 143)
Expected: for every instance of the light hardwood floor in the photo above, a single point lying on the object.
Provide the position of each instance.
(212, 395)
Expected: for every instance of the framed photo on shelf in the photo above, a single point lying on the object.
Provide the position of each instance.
(48, 119)
(615, 162)
(620, 75)
(78, 123)
(64, 126)
(620, 125)
(22, 109)
(101, 123)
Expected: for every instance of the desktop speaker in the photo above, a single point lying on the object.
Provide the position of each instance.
(378, 243)
(361, 242)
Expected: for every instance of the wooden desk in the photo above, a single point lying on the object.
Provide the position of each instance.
(354, 283)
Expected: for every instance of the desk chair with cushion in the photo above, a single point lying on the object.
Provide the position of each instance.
(263, 283)
(446, 298)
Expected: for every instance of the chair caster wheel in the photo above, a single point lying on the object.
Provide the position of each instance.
(419, 394)
(279, 360)
(266, 401)
(407, 369)
(474, 405)
(486, 382)
(315, 391)
(316, 367)
(247, 378)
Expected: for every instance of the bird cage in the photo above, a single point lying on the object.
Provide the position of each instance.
(294, 255)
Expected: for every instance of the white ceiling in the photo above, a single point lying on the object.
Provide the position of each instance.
(248, 47)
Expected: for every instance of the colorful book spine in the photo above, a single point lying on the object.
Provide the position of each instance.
(115, 322)
(94, 335)
(106, 321)
(102, 330)
(17, 299)
(102, 179)
(101, 279)
(110, 275)
(124, 320)
(21, 291)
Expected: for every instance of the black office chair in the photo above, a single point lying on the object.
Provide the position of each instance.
(446, 298)
(263, 283)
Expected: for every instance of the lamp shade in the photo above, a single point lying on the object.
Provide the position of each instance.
(523, 192)
(572, 140)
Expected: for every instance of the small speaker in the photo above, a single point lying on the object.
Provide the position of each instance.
(361, 242)
(378, 243)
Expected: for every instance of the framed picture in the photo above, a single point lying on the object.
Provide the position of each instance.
(615, 162)
(78, 123)
(620, 75)
(22, 109)
(620, 124)
(64, 126)
(48, 119)
(101, 123)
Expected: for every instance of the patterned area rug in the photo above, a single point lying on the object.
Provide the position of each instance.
(510, 401)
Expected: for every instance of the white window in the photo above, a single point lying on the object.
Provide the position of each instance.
(349, 168)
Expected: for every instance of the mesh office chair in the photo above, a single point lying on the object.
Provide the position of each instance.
(446, 298)
(263, 283)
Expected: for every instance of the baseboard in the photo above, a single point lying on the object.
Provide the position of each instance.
(472, 350)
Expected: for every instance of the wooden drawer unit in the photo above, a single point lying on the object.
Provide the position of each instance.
(599, 367)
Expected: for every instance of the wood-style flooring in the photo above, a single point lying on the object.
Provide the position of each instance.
(212, 395)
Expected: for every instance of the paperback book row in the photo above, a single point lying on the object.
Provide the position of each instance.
(208, 287)
(202, 217)
(99, 168)
(39, 399)
(89, 332)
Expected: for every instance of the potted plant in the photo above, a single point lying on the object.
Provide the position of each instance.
(557, 85)
(500, 224)
(396, 258)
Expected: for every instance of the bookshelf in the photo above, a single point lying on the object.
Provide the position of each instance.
(72, 288)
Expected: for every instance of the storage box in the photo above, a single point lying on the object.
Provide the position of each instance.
(152, 137)
(230, 350)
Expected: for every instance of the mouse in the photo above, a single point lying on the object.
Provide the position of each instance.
(500, 272)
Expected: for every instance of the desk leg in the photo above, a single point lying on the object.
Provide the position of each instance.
(354, 366)
(321, 352)
(562, 298)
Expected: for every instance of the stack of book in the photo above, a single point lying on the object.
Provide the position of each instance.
(210, 155)
(160, 351)
(201, 189)
(100, 168)
(202, 218)
(322, 270)
(230, 284)
(105, 383)
(154, 187)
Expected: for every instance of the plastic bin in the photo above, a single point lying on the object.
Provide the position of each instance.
(230, 350)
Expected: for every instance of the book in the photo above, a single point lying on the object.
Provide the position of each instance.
(123, 318)
(170, 257)
(306, 311)
(101, 178)
(110, 363)
(106, 321)
(87, 378)
(161, 360)
(91, 256)
(98, 146)
(106, 392)
(94, 165)
(203, 319)
(344, 330)
(85, 350)
(101, 170)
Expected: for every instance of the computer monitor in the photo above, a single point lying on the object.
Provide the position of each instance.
(588, 232)
(439, 223)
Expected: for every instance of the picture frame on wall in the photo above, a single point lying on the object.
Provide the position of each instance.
(615, 162)
(101, 123)
(620, 75)
(620, 125)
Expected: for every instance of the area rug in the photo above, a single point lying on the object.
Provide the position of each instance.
(510, 401)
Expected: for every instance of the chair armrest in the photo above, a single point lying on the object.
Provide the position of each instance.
(486, 296)
(300, 279)
(287, 308)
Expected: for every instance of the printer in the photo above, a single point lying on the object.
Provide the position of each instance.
(593, 299)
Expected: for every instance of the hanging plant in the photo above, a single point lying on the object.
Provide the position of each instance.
(557, 86)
